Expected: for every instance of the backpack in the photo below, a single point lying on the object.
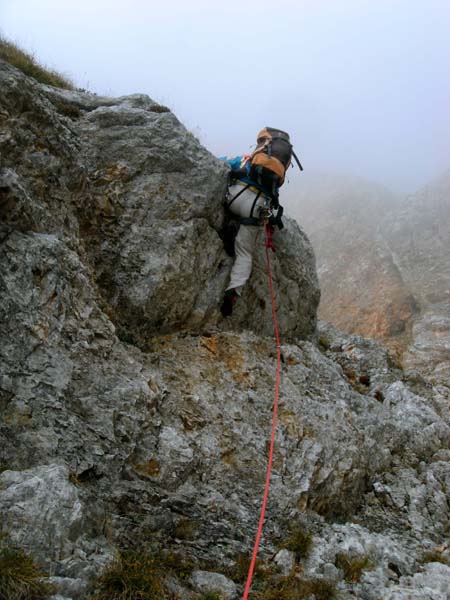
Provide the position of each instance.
(271, 159)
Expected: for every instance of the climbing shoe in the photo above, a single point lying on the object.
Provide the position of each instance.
(229, 301)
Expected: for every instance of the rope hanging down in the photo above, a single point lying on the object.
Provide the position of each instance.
(269, 245)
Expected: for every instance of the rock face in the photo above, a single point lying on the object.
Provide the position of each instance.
(419, 239)
(362, 287)
(125, 186)
(132, 416)
(383, 265)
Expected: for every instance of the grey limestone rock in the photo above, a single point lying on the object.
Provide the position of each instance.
(42, 512)
(22, 495)
(430, 584)
(297, 291)
(285, 561)
(122, 182)
(132, 416)
(68, 587)
(205, 581)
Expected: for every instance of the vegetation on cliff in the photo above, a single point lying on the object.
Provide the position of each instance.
(28, 64)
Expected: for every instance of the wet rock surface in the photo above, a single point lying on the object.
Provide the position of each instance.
(131, 416)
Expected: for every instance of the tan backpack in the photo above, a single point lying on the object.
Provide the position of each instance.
(271, 159)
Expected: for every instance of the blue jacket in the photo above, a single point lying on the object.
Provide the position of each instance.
(242, 164)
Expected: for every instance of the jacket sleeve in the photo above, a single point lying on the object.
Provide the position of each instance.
(234, 163)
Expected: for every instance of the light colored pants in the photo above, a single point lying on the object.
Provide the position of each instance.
(246, 239)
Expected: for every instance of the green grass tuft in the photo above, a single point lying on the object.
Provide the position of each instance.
(133, 576)
(177, 565)
(20, 578)
(139, 575)
(293, 588)
(239, 571)
(20, 59)
(352, 567)
(300, 543)
(436, 556)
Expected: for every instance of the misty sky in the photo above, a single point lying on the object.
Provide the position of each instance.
(362, 86)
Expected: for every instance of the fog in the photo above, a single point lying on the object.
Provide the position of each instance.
(363, 87)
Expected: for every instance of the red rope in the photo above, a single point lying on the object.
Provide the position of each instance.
(269, 245)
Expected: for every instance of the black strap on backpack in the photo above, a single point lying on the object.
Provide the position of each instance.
(296, 160)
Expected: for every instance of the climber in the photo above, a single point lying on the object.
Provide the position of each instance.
(251, 205)
(252, 200)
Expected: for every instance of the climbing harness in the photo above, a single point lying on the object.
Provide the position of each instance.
(269, 246)
(251, 220)
(263, 213)
(246, 187)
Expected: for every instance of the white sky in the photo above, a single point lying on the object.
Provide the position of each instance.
(362, 86)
